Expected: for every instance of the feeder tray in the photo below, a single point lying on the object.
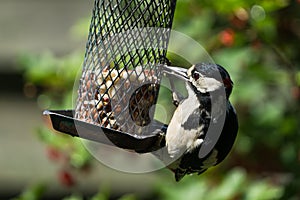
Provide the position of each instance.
(120, 81)
(64, 121)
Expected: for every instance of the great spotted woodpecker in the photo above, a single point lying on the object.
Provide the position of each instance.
(206, 108)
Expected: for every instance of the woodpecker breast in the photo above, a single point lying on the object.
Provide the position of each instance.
(185, 128)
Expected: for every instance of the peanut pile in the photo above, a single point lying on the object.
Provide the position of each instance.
(117, 99)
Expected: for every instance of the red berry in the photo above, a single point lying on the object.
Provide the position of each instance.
(66, 178)
(296, 92)
(53, 154)
(227, 37)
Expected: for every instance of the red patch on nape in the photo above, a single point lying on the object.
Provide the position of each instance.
(227, 83)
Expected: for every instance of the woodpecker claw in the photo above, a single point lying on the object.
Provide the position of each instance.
(175, 99)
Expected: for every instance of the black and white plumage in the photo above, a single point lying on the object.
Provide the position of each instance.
(193, 116)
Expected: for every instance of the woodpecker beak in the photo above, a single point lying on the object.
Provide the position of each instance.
(178, 72)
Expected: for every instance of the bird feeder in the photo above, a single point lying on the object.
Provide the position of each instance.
(121, 76)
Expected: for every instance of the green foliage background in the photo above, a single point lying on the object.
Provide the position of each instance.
(259, 43)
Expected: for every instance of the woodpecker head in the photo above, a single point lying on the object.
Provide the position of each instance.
(205, 77)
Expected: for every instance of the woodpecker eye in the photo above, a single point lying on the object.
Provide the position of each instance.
(196, 76)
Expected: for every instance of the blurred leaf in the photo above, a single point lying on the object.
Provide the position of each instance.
(232, 185)
(73, 197)
(244, 144)
(298, 78)
(289, 126)
(266, 28)
(128, 197)
(52, 72)
(271, 112)
(274, 5)
(289, 153)
(80, 156)
(263, 191)
(80, 29)
(103, 194)
(236, 184)
(189, 189)
(32, 193)
(227, 6)
(236, 60)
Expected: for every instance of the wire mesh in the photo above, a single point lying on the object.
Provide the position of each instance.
(127, 43)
